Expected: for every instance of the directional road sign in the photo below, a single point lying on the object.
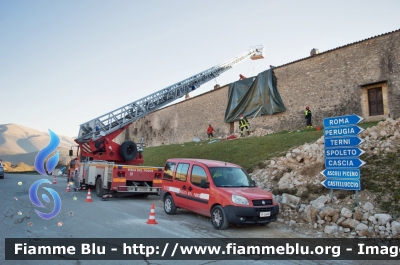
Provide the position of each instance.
(342, 131)
(343, 162)
(341, 173)
(344, 151)
(342, 184)
(342, 120)
(342, 142)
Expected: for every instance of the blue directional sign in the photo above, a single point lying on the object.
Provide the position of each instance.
(342, 184)
(344, 151)
(342, 120)
(343, 162)
(341, 173)
(342, 131)
(343, 141)
(341, 153)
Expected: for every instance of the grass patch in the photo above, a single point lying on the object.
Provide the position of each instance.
(366, 125)
(248, 152)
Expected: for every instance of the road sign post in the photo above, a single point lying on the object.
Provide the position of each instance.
(341, 153)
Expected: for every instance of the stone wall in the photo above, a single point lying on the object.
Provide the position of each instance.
(332, 83)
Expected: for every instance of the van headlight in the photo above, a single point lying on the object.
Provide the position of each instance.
(239, 199)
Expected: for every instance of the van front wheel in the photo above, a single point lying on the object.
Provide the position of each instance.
(218, 218)
(169, 205)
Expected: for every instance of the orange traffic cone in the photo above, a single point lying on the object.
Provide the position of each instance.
(89, 197)
(54, 181)
(68, 188)
(152, 217)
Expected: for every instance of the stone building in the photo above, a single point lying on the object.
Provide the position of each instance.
(361, 78)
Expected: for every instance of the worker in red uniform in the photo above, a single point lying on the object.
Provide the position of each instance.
(210, 131)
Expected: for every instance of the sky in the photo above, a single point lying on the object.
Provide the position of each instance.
(63, 63)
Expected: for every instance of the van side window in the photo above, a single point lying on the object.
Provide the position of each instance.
(169, 170)
(198, 174)
(182, 172)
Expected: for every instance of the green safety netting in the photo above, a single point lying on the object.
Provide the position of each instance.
(249, 95)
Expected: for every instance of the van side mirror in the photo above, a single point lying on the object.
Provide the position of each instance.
(253, 182)
(71, 152)
(204, 184)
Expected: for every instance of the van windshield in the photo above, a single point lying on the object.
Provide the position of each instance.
(230, 177)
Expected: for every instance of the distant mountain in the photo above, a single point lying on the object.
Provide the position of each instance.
(21, 144)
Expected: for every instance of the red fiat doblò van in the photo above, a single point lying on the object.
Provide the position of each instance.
(220, 190)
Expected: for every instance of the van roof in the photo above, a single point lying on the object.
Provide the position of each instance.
(207, 162)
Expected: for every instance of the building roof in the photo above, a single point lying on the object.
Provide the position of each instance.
(340, 47)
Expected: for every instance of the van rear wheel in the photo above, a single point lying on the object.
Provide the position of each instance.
(218, 218)
(169, 205)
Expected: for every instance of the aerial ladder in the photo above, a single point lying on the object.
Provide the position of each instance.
(95, 138)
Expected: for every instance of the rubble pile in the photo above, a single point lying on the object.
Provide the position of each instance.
(299, 171)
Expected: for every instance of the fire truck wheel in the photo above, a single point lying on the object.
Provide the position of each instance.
(169, 205)
(99, 187)
(128, 150)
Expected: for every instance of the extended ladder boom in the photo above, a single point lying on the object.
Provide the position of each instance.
(114, 120)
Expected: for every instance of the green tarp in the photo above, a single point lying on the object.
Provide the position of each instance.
(249, 95)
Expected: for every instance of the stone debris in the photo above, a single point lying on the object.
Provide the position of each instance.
(256, 132)
(300, 169)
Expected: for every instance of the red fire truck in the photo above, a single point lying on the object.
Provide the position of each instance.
(113, 167)
(111, 177)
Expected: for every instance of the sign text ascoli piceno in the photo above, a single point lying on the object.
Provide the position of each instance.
(335, 173)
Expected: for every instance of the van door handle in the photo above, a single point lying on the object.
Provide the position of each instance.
(190, 189)
(184, 187)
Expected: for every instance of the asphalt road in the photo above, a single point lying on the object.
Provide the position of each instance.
(122, 217)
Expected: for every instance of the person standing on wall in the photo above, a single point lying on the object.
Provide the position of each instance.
(308, 118)
(210, 131)
(244, 123)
